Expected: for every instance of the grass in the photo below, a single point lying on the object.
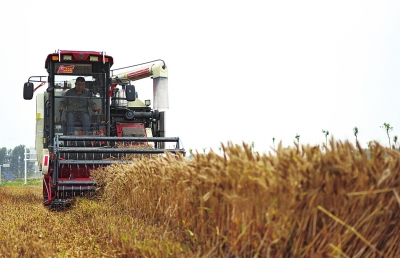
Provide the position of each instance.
(21, 182)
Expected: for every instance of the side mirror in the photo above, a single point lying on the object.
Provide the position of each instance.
(28, 90)
(130, 93)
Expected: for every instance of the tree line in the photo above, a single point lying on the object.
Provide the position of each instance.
(386, 127)
(16, 159)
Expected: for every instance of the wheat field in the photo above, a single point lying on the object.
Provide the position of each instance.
(296, 202)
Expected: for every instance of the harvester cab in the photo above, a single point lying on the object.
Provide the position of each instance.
(89, 117)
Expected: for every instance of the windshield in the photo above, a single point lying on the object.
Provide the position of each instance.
(66, 74)
(79, 98)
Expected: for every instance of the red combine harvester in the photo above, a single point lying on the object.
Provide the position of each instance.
(77, 133)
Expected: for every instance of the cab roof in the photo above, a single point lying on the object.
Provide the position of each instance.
(79, 56)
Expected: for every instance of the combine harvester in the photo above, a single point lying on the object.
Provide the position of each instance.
(124, 126)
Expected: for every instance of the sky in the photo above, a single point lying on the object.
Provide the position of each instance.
(239, 71)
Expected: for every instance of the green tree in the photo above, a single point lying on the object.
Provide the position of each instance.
(387, 128)
(326, 133)
(3, 156)
(297, 137)
(395, 141)
(355, 130)
(17, 160)
(190, 154)
(273, 142)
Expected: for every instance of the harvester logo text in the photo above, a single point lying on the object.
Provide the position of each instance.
(65, 69)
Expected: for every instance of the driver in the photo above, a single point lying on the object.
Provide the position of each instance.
(77, 105)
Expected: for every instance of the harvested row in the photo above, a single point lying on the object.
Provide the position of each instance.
(89, 229)
(300, 202)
